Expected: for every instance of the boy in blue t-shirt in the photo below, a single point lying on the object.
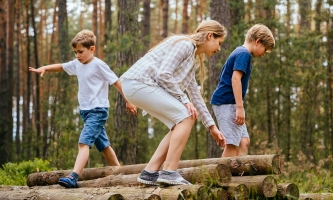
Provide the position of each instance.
(227, 99)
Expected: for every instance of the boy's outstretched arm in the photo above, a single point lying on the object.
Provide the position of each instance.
(129, 107)
(51, 68)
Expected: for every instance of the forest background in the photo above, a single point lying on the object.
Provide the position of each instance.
(288, 104)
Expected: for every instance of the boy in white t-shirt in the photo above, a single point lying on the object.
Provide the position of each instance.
(94, 77)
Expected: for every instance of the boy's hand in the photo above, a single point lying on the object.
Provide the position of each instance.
(40, 70)
(240, 116)
(131, 108)
(218, 136)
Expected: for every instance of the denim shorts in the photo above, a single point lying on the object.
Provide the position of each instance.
(155, 101)
(93, 131)
(225, 115)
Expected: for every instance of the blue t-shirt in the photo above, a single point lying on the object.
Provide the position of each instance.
(239, 59)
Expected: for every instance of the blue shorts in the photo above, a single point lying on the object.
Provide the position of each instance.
(93, 131)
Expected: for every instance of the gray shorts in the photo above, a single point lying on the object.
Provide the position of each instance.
(225, 115)
(155, 101)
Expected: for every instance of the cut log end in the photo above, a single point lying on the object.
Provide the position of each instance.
(116, 197)
(154, 197)
(241, 192)
(269, 187)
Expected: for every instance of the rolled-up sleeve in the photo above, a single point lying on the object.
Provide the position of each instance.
(177, 53)
(199, 104)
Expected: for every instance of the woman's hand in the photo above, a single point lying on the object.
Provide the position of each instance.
(131, 108)
(192, 110)
(217, 135)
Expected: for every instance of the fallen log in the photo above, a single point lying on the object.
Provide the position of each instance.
(209, 175)
(215, 174)
(316, 196)
(219, 193)
(261, 185)
(287, 191)
(60, 194)
(240, 165)
(237, 191)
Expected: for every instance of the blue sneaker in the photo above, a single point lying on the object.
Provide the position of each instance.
(171, 178)
(148, 178)
(68, 182)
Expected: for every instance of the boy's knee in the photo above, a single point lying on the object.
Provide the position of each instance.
(245, 142)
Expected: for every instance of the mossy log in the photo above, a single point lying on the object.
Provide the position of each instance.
(261, 185)
(240, 165)
(287, 191)
(316, 196)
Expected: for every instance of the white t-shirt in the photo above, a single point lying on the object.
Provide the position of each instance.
(94, 79)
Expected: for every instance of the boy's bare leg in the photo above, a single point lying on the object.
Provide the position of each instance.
(230, 150)
(82, 158)
(110, 156)
(243, 147)
(171, 147)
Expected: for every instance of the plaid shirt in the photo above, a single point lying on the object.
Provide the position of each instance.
(172, 65)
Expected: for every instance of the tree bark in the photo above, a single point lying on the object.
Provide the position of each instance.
(241, 165)
(263, 186)
(125, 137)
(287, 191)
(6, 91)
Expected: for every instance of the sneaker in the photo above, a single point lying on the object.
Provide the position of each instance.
(148, 178)
(68, 182)
(171, 178)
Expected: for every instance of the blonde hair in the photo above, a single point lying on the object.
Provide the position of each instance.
(200, 37)
(261, 32)
(85, 37)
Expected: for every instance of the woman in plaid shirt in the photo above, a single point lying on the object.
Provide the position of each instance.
(156, 83)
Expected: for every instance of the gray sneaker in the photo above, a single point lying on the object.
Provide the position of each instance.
(148, 178)
(171, 178)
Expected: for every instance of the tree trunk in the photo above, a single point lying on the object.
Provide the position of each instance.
(263, 186)
(95, 26)
(287, 191)
(125, 137)
(165, 18)
(145, 26)
(6, 92)
(220, 11)
(185, 17)
(36, 101)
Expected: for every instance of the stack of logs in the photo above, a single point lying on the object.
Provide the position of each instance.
(243, 177)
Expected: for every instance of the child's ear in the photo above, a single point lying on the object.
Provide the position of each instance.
(209, 36)
(92, 48)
